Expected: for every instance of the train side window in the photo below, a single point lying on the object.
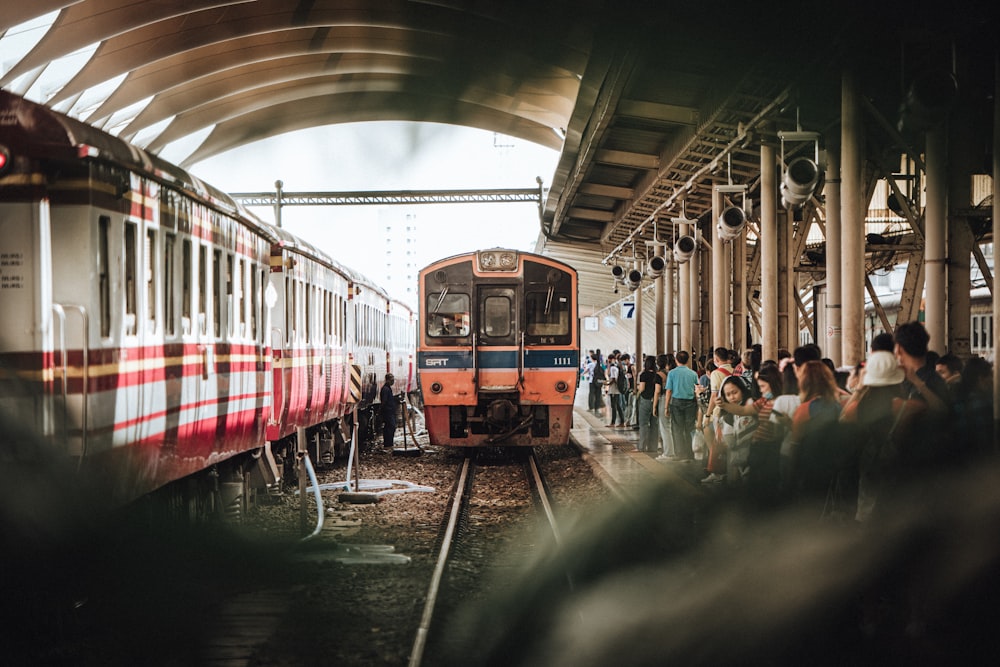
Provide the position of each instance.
(104, 275)
(253, 301)
(202, 289)
(241, 286)
(170, 318)
(151, 257)
(131, 290)
(217, 295)
(230, 294)
(289, 308)
(341, 318)
(308, 297)
(187, 272)
(448, 315)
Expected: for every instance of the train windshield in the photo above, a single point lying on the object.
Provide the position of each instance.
(548, 317)
(448, 315)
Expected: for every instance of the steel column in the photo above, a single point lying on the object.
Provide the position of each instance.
(935, 231)
(719, 296)
(685, 278)
(834, 335)
(852, 240)
(768, 251)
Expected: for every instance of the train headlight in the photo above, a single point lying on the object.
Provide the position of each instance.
(561, 387)
(436, 387)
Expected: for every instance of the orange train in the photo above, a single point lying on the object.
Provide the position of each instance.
(499, 349)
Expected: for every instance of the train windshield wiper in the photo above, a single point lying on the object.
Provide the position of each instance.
(437, 306)
(548, 299)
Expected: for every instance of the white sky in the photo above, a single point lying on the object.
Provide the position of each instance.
(391, 156)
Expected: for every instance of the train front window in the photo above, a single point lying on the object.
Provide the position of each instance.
(548, 317)
(496, 316)
(447, 315)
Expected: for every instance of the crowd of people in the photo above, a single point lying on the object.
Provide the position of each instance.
(796, 428)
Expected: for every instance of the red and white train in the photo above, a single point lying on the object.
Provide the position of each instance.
(153, 330)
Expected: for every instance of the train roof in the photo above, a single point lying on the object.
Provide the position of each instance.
(288, 240)
(521, 253)
(38, 130)
(35, 129)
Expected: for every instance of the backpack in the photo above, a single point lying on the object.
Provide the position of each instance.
(622, 380)
(598, 373)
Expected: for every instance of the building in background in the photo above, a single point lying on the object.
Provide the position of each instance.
(402, 254)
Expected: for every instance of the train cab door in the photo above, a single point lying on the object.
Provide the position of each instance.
(497, 357)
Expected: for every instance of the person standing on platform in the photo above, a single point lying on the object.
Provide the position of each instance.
(595, 398)
(388, 401)
(626, 385)
(664, 364)
(614, 394)
(648, 390)
(681, 407)
(718, 462)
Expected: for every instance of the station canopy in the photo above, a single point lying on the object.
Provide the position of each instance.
(650, 104)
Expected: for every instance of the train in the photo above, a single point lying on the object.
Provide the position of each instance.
(498, 349)
(158, 335)
(981, 337)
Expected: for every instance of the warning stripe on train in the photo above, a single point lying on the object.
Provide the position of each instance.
(458, 359)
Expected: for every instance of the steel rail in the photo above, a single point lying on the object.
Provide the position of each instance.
(420, 643)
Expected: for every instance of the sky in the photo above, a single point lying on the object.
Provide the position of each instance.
(388, 155)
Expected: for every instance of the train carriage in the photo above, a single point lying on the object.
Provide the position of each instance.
(155, 330)
(499, 349)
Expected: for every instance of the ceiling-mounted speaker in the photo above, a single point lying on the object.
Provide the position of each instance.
(799, 182)
(633, 279)
(731, 222)
(928, 100)
(684, 249)
(655, 266)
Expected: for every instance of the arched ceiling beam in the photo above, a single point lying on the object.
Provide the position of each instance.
(346, 108)
(80, 24)
(350, 46)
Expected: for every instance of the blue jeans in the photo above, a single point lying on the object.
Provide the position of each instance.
(683, 412)
(663, 424)
(647, 426)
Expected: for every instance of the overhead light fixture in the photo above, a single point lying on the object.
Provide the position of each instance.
(731, 222)
(733, 219)
(618, 273)
(684, 248)
(633, 279)
(927, 102)
(802, 175)
(655, 267)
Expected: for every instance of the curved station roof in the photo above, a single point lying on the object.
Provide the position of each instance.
(650, 104)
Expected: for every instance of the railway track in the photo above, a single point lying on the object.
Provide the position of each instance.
(471, 544)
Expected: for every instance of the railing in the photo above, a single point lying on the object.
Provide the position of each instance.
(60, 313)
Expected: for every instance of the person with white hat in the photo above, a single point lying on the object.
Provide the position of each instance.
(881, 414)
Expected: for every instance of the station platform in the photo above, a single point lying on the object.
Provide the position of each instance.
(612, 452)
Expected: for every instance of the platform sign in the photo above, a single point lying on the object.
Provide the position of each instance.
(628, 310)
(591, 324)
